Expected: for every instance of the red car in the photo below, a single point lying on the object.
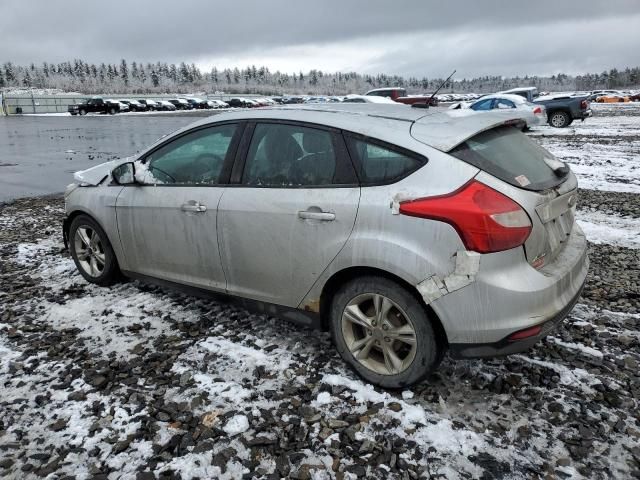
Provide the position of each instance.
(400, 95)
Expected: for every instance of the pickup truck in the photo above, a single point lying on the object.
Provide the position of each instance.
(96, 105)
(400, 95)
(562, 108)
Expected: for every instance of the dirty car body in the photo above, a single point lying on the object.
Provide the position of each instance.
(415, 203)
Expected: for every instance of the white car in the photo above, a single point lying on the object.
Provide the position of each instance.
(217, 104)
(368, 99)
(531, 113)
(123, 106)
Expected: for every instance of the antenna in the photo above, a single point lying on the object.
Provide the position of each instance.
(438, 89)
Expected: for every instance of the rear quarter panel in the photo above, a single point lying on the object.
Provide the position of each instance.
(411, 248)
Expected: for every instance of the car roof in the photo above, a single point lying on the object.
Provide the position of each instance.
(442, 129)
(505, 96)
(519, 89)
(384, 89)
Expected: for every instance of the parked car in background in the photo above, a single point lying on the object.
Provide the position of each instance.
(165, 106)
(612, 98)
(424, 99)
(634, 96)
(134, 105)
(368, 99)
(531, 113)
(529, 93)
(600, 93)
(217, 104)
(122, 107)
(563, 109)
(391, 93)
(292, 100)
(94, 105)
(150, 104)
(240, 102)
(405, 235)
(180, 104)
(197, 103)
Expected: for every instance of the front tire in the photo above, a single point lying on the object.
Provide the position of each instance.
(83, 112)
(383, 332)
(559, 119)
(92, 252)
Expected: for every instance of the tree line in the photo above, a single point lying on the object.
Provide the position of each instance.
(161, 77)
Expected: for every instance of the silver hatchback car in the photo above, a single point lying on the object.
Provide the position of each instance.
(405, 232)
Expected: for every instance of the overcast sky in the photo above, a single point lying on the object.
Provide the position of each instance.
(419, 38)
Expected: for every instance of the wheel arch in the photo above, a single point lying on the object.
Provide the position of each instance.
(66, 225)
(345, 275)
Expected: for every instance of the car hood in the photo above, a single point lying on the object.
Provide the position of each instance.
(445, 130)
(95, 175)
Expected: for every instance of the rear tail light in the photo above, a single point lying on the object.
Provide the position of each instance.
(537, 111)
(584, 104)
(486, 220)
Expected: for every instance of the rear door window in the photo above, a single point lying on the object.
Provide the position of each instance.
(483, 104)
(510, 155)
(283, 155)
(381, 164)
(503, 103)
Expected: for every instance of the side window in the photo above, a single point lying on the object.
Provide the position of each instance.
(283, 155)
(502, 103)
(193, 159)
(482, 104)
(379, 164)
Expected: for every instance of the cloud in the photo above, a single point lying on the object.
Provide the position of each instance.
(404, 37)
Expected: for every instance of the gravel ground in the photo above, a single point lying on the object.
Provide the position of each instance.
(141, 382)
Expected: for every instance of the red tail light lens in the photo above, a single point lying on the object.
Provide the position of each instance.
(537, 110)
(584, 104)
(526, 333)
(486, 220)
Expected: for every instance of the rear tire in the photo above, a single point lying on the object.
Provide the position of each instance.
(112, 111)
(92, 252)
(383, 332)
(559, 119)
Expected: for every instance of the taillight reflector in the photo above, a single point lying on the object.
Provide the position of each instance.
(537, 110)
(486, 220)
(526, 333)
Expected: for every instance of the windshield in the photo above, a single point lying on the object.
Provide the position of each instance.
(510, 155)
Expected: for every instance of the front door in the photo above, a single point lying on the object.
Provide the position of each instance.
(293, 211)
(167, 225)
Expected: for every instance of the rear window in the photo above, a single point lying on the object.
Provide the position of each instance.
(510, 155)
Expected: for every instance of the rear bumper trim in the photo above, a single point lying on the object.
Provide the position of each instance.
(507, 347)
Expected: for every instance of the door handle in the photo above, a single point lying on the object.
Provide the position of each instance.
(311, 215)
(193, 207)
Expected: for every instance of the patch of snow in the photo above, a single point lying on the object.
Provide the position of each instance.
(236, 425)
(609, 229)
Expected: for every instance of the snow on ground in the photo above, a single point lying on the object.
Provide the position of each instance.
(614, 230)
(603, 151)
(131, 380)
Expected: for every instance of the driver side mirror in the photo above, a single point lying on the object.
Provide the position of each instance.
(124, 174)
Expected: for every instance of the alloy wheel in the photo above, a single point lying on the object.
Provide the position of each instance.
(89, 251)
(379, 334)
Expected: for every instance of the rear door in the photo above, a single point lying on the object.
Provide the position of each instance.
(290, 212)
(168, 226)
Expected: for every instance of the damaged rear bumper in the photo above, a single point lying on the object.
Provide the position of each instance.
(506, 346)
(507, 295)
